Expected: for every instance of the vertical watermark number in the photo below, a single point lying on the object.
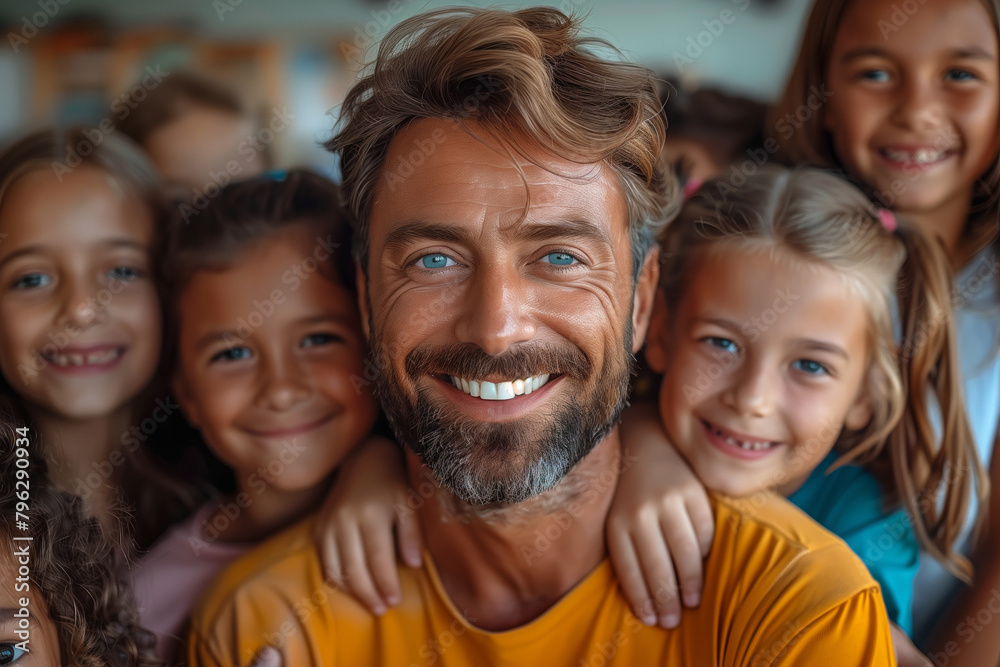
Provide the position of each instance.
(21, 541)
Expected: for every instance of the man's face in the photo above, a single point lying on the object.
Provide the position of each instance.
(502, 345)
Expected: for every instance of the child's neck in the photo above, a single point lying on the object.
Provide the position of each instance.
(80, 456)
(260, 512)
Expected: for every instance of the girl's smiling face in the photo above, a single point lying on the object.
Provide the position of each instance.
(764, 362)
(79, 314)
(271, 364)
(915, 103)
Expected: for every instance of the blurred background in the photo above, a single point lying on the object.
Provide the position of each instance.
(291, 61)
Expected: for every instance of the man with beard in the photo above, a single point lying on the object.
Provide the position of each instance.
(507, 191)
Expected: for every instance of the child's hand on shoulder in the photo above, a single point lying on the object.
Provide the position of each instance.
(661, 524)
(354, 528)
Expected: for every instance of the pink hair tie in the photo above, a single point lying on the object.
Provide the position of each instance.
(888, 220)
(691, 187)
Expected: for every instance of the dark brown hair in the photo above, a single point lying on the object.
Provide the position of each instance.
(244, 214)
(524, 73)
(727, 125)
(73, 564)
(169, 100)
(822, 218)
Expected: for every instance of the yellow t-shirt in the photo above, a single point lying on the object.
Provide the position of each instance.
(779, 590)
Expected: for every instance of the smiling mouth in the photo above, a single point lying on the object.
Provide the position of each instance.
(746, 445)
(77, 359)
(499, 391)
(922, 156)
(290, 431)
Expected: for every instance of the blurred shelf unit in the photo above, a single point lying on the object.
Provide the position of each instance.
(80, 70)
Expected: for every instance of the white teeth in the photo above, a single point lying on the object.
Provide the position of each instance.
(76, 359)
(750, 446)
(499, 391)
(922, 156)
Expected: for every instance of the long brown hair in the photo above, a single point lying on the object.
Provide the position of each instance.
(156, 497)
(821, 218)
(810, 143)
(526, 73)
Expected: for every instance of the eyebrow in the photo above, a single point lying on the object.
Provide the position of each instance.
(823, 346)
(522, 231)
(41, 248)
(720, 322)
(230, 334)
(965, 53)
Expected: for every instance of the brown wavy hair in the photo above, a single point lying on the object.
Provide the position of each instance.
(527, 73)
(822, 218)
(811, 144)
(243, 214)
(88, 598)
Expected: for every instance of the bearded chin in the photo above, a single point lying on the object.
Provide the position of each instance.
(484, 463)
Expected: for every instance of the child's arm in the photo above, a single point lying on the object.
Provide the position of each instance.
(661, 513)
(354, 528)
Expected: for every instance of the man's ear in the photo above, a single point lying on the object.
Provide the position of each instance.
(189, 407)
(363, 308)
(659, 334)
(642, 298)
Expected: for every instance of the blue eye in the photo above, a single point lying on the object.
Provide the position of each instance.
(232, 354)
(876, 75)
(9, 653)
(436, 261)
(722, 344)
(312, 340)
(960, 75)
(125, 273)
(560, 258)
(811, 367)
(32, 281)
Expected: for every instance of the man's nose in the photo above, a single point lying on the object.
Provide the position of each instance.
(497, 310)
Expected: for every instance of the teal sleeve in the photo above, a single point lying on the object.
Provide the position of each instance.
(849, 503)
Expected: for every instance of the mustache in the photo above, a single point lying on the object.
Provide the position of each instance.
(469, 361)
